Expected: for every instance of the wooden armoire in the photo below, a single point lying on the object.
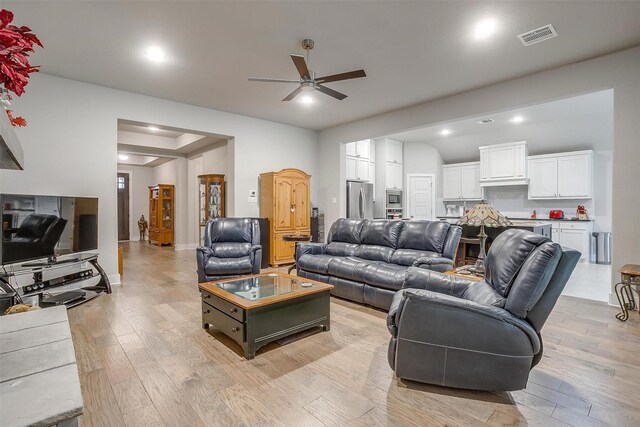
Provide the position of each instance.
(161, 214)
(284, 199)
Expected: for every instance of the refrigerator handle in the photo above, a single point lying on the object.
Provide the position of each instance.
(361, 203)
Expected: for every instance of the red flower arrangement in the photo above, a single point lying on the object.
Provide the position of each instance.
(16, 43)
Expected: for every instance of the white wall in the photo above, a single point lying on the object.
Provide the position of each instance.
(140, 178)
(73, 149)
(216, 159)
(618, 70)
(422, 158)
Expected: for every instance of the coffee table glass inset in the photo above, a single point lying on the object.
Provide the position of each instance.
(256, 310)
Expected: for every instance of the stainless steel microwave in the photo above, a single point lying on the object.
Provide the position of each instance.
(394, 199)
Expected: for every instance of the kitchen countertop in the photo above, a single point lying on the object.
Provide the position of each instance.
(527, 219)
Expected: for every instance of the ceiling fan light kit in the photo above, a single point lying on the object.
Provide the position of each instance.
(308, 81)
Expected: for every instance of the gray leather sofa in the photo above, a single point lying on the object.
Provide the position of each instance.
(479, 335)
(366, 260)
(231, 248)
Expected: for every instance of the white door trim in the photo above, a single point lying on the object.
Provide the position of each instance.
(433, 192)
(133, 236)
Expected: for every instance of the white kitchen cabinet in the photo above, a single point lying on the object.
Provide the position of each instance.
(575, 175)
(372, 178)
(359, 149)
(393, 151)
(357, 169)
(461, 181)
(574, 235)
(504, 164)
(393, 176)
(561, 175)
(543, 177)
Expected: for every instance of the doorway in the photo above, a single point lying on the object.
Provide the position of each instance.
(123, 206)
(421, 196)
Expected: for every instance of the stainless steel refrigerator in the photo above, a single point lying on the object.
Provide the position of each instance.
(359, 200)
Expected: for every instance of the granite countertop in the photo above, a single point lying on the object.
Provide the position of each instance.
(528, 219)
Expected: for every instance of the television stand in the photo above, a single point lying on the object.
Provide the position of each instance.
(50, 262)
(63, 280)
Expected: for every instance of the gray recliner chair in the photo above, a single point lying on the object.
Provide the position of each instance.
(483, 335)
(231, 248)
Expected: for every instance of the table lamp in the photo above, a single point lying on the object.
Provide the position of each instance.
(481, 215)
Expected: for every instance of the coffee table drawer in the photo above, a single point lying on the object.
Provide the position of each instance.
(223, 305)
(227, 325)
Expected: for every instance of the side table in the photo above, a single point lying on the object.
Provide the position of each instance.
(629, 276)
(296, 239)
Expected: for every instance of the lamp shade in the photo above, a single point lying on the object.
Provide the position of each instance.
(484, 214)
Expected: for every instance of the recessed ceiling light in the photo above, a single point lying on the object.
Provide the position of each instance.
(517, 119)
(155, 54)
(445, 132)
(306, 99)
(123, 156)
(484, 29)
(153, 128)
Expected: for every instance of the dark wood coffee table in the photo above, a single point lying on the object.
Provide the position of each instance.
(256, 310)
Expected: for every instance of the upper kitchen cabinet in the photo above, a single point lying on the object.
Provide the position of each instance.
(393, 151)
(461, 181)
(504, 164)
(359, 161)
(359, 149)
(393, 176)
(561, 175)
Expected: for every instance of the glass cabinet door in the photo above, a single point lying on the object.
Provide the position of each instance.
(166, 214)
(214, 207)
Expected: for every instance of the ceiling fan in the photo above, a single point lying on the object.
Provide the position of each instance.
(308, 81)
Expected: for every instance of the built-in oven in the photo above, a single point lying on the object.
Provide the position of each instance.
(394, 199)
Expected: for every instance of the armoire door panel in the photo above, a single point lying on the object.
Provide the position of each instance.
(283, 204)
(301, 199)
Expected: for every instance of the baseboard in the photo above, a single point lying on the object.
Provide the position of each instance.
(613, 300)
(114, 279)
(185, 246)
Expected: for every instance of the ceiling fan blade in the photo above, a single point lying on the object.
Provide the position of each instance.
(259, 79)
(301, 65)
(337, 95)
(342, 76)
(293, 94)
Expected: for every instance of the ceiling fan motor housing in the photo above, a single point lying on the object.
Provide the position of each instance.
(307, 44)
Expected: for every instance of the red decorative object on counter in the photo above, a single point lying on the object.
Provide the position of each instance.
(16, 43)
(581, 212)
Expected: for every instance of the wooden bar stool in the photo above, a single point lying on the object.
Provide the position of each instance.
(630, 276)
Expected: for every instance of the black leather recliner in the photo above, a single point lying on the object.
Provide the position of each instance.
(36, 237)
(231, 249)
(480, 335)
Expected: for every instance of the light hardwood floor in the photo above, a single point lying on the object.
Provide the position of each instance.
(144, 360)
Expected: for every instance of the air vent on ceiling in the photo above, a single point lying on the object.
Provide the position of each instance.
(538, 35)
(486, 121)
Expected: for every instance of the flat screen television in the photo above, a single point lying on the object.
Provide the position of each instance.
(46, 227)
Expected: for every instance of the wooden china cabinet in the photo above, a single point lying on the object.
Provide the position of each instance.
(284, 199)
(211, 188)
(161, 214)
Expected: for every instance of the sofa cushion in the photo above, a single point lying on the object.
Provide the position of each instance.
(381, 233)
(374, 252)
(346, 230)
(341, 249)
(348, 267)
(533, 279)
(314, 263)
(507, 256)
(228, 266)
(388, 276)
(230, 250)
(482, 293)
(408, 256)
(424, 235)
(230, 230)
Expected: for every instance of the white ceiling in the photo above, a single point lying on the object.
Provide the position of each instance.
(147, 147)
(577, 123)
(412, 51)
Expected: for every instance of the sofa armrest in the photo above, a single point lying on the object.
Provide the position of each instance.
(419, 278)
(309, 248)
(202, 255)
(441, 264)
(464, 323)
(256, 258)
